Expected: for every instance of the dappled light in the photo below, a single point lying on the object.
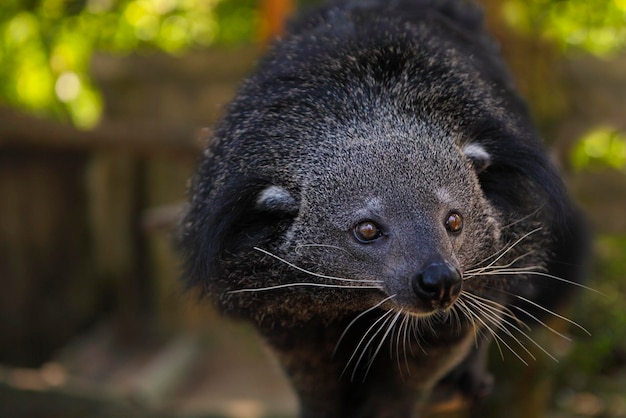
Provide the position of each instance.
(601, 147)
(596, 26)
(46, 50)
(43, 41)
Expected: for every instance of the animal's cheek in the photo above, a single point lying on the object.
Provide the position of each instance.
(472, 253)
(490, 237)
(457, 243)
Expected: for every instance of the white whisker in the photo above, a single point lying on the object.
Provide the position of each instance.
(487, 307)
(510, 247)
(405, 341)
(475, 271)
(415, 323)
(522, 219)
(468, 314)
(390, 325)
(498, 325)
(530, 271)
(489, 330)
(321, 276)
(504, 310)
(384, 318)
(345, 331)
(305, 284)
(504, 250)
(551, 313)
(496, 320)
(542, 323)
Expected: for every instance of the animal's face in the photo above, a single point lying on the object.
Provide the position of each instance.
(405, 215)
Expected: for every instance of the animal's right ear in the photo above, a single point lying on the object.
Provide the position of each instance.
(277, 199)
(242, 214)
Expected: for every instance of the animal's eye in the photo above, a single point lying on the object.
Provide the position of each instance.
(367, 231)
(454, 222)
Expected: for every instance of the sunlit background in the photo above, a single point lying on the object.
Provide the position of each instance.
(46, 46)
(102, 110)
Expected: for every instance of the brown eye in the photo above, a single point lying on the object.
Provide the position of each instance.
(367, 231)
(454, 222)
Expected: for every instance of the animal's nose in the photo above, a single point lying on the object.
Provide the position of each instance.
(438, 285)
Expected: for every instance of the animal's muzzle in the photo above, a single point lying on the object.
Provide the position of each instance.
(438, 285)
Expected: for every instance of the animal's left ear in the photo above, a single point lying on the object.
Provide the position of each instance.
(478, 155)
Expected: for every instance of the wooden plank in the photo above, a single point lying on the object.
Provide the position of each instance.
(21, 131)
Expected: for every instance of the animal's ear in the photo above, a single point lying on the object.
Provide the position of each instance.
(277, 199)
(243, 214)
(478, 155)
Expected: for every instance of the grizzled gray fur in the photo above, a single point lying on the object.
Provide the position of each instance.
(377, 202)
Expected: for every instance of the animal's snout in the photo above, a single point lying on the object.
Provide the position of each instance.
(438, 285)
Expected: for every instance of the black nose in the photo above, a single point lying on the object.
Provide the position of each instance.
(438, 285)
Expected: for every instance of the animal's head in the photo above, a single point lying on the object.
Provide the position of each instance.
(385, 210)
(392, 164)
(394, 211)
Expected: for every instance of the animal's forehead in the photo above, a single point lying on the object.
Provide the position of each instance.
(406, 164)
(390, 180)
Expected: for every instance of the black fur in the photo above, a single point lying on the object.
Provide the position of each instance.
(393, 113)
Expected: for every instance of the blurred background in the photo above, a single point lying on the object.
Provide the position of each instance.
(104, 109)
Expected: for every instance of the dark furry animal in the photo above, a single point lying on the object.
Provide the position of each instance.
(377, 202)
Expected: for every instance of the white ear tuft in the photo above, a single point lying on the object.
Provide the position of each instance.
(478, 155)
(276, 198)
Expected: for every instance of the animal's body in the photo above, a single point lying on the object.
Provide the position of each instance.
(377, 202)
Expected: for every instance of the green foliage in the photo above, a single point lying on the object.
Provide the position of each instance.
(46, 45)
(602, 147)
(596, 26)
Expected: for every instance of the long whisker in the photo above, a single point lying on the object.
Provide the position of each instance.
(505, 249)
(301, 284)
(358, 284)
(473, 271)
(456, 318)
(510, 247)
(415, 331)
(504, 310)
(466, 311)
(405, 341)
(396, 333)
(384, 318)
(542, 323)
(522, 219)
(529, 271)
(321, 276)
(535, 304)
(516, 328)
(390, 325)
(345, 331)
(495, 334)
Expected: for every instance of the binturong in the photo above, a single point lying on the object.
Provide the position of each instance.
(378, 204)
